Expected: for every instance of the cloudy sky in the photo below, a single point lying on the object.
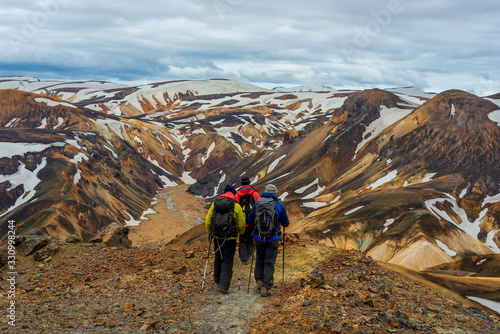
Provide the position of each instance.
(434, 45)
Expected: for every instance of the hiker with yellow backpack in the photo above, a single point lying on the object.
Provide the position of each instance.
(224, 222)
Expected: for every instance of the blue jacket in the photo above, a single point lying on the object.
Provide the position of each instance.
(281, 212)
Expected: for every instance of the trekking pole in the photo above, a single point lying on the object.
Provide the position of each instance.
(206, 263)
(283, 254)
(250, 275)
(239, 272)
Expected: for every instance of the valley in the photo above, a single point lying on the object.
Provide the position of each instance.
(408, 178)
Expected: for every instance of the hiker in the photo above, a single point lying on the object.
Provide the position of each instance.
(246, 196)
(224, 222)
(268, 215)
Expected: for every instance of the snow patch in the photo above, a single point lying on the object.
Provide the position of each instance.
(389, 177)
(210, 149)
(445, 248)
(275, 163)
(43, 124)
(411, 91)
(480, 262)
(112, 125)
(335, 199)
(353, 210)
(79, 158)
(28, 179)
(491, 199)
(149, 211)
(8, 150)
(166, 181)
(138, 140)
(283, 196)
(464, 191)
(301, 190)
(491, 304)
(77, 177)
(52, 103)
(428, 177)
(60, 121)
(389, 221)
(199, 131)
(388, 116)
(186, 178)
(112, 152)
(221, 180)
(314, 205)
(490, 243)
(11, 122)
(217, 122)
(131, 221)
(495, 116)
(316, 192)
(279, 177)
(453, 111)
(471, 228)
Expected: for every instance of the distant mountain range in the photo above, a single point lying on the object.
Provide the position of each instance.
(409, 177)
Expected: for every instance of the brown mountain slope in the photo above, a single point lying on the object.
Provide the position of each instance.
(96, 289)
(400, 192)
(483, 265)
(79, 190)
(460, 146)
(409, 183)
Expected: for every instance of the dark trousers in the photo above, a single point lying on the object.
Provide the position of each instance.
(247, 246)
(264, 262)
(223, 263)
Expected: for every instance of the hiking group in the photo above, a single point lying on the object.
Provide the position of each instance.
(255, 220)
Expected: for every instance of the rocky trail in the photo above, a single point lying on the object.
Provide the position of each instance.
(92, 288)
(155, 287)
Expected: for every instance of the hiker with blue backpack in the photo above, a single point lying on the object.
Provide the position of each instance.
(224, 222)
(268, 215)
(246, 196)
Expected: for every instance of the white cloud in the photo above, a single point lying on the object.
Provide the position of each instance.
(434, 45)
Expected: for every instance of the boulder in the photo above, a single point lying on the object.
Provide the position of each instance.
(315, 279)
(47, 251)
(74, 239)
(114, 235)
(27, 244)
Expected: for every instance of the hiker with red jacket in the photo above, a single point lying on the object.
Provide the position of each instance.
(268, 215)
(224, 222)
(246, 196)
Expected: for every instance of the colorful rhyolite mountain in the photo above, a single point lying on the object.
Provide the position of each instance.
(409, 177)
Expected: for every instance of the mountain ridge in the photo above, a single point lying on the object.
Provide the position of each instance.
(340, 159)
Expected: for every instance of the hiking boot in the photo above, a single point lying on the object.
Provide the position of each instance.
(259, 285)
(265, 292)
(224, 291)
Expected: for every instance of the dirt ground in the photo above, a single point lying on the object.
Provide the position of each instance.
(177, 211)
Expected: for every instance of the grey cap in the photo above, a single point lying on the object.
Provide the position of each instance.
(271, 188)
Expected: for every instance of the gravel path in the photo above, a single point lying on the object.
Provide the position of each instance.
(229, 313)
